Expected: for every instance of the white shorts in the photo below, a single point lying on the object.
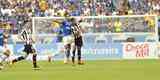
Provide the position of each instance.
(3, 49)
(68, 40)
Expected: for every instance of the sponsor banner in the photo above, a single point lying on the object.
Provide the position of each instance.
(139, 51)
(102, 51)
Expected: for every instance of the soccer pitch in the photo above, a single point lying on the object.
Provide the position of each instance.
(92, 70)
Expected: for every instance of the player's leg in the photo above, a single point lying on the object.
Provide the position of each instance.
(2, 59)
(8, 54)
(20, 58)
(79, 55)
(79, 43)
(34, 59)
(68, 40)
(67, 53)
(5, 56)
(73, 54)
(65, 42)
(1, 62)
(1, 66)
(49, 58)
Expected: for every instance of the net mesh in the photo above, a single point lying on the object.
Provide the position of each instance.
(139, 28)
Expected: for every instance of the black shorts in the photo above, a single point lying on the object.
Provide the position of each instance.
(28, 49)
(79, 41)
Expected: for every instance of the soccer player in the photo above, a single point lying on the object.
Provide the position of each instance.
(28, 49)
(67, 38)
(78, 41)
(6, 52)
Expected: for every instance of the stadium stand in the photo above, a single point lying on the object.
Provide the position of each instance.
(16, 14)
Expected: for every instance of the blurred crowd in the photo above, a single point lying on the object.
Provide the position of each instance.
(16, 14)
(99, 25)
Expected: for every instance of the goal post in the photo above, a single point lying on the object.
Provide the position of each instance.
(106, 37)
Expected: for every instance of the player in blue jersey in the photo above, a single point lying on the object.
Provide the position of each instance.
(68, 39)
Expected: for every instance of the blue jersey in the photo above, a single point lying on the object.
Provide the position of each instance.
(66, 28)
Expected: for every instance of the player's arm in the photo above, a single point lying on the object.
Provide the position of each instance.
(82, 28)
(20, 36)
(61, 31)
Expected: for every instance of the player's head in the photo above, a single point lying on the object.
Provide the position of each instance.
(73, 20)
(65, 22)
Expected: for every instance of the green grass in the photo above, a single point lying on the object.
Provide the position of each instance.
(92, 70)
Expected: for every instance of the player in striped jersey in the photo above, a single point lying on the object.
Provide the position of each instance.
(28, 49)
(78, 42)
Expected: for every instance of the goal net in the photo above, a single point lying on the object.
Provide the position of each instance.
(105, 37)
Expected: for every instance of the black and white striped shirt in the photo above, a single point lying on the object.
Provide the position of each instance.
(76, 30)
(25, 35)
